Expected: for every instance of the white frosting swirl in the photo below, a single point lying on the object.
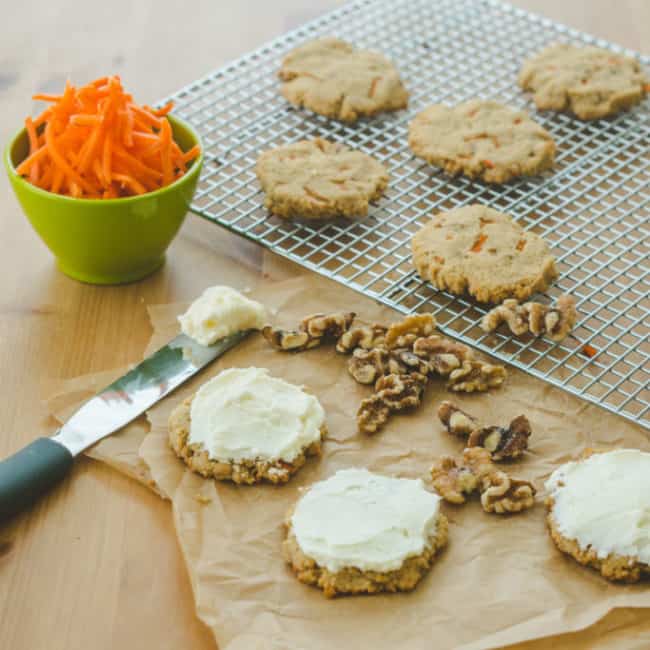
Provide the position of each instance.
(244, 413)
(218, 312)
(360, 519)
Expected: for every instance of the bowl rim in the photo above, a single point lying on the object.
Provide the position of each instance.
(121, 200)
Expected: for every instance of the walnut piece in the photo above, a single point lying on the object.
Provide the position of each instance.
(400, 392)
(402, 361)
(503, 494)
(327, 326)
(366, 366)
(393, 392)
(479, 461)
(553, 321)
(312, 331)
(500, 493)
(475, 375)
(456, 480)
(503, 443)
(372, 414)
(442, 354)
(452, 481)
(456, 421)
(366, 337)
(403, 333)
(509, 312)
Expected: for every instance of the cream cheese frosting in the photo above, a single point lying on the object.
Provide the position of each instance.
(218, 312)
(245, 413)
(603, 502)
(364, 520)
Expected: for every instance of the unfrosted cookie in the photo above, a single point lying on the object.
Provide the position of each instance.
(318, 179)
(485, 253)
(331, 77)
(359, 532)
(481, 139)
(246, 426)
(587, 81)
(599, 512)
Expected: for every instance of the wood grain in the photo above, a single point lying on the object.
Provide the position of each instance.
(96, 565)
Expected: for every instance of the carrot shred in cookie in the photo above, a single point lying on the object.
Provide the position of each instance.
(95, 142)
(478, 244)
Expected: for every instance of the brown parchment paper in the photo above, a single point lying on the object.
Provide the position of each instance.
(120, 450)
(500, 582)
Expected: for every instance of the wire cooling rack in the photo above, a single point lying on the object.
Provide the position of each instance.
(593, 209)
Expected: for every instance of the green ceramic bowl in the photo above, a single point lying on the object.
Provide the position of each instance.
(107, 241)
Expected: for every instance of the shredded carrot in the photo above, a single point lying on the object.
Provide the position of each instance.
(192, 153)
(165, 152)
(489, 164)
(84, 120)
(589, 351)
(42, 97)
(94, 141)
(127, 180)
(33, 146)
(57, 181)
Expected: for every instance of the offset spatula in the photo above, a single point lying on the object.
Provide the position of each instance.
(35, 469)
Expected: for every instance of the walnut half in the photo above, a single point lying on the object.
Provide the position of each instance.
(554, 321)
(479, 460)
(367, 366)
(453, 481)
(503, 443)
(503, 494)
(442, 354)
(500, 493)
(372, 414)
(312, 331)
(366, 337)
(405, 332)
(456, 421)
(393, 392)
(475, 376)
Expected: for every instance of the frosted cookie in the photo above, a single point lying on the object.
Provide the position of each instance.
(587, 81)
(317, 179)
(331, 77)
(359, 532)
(599, 512)
(219, 312)
(246, 426)
(483, 252)
(481, 139)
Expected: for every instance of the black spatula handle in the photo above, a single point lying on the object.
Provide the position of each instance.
(31, 472)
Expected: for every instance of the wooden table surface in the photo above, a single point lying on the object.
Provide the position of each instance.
(96, 565)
